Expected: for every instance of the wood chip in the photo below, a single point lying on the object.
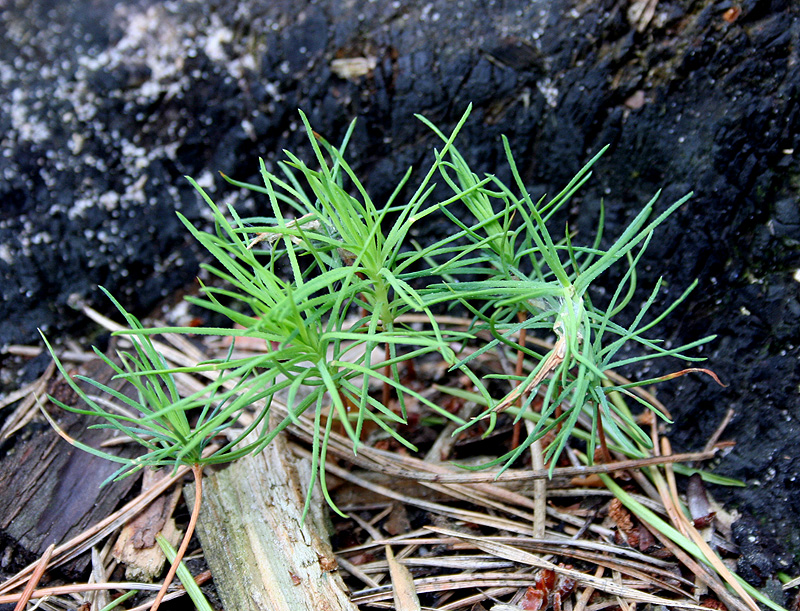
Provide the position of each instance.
(405, 594)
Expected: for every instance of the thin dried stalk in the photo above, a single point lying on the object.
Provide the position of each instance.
(197, 470)
(539, 487)
(517, 555)
(35, 577)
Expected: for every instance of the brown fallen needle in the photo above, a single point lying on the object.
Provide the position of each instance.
(551, 363)
(197, 471)
(34, 580)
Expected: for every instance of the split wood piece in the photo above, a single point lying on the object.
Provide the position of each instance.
(49, 490)
(261, 552)
(136, 545)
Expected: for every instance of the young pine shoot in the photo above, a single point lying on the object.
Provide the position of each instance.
(326, 280)
(325, 293)
(529, 280)
(173, 430)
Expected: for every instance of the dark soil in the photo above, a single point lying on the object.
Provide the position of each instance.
(109, 105)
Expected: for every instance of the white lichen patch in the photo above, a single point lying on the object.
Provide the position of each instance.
(109, 200)
(27, 124)
(205, 180)
(549, 91)
(6, 254)
(352, 68)
(216, 39)
(154, 38)
(79, 208)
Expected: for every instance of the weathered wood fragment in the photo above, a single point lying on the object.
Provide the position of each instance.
(136, 546)
(262, 554)
(49, 490)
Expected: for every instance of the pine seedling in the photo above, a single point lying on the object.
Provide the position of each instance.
(532, 281)
(344, 297)
(342, 302)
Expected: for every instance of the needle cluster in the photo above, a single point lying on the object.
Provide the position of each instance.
(326, 279)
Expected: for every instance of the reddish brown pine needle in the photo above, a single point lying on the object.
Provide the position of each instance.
(34, 580)
(601, 435)
(197, 471)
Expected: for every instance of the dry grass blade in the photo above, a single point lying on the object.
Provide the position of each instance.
(149, 605)
(405, 595)
(539, 486)
(447, 583)
(683, 524)
(705, 575)
(27, 408)
(416, 469)
(105, 587)
(613, 558)
(41, 567)
(645, 568)
(357, 572)
(482, 497)
(33, 351)
(712, 441)
(453, 512)
(511, 553)
(460, 562)
(551, 363)
(591, 551)
(792, 583)
(78, 588)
